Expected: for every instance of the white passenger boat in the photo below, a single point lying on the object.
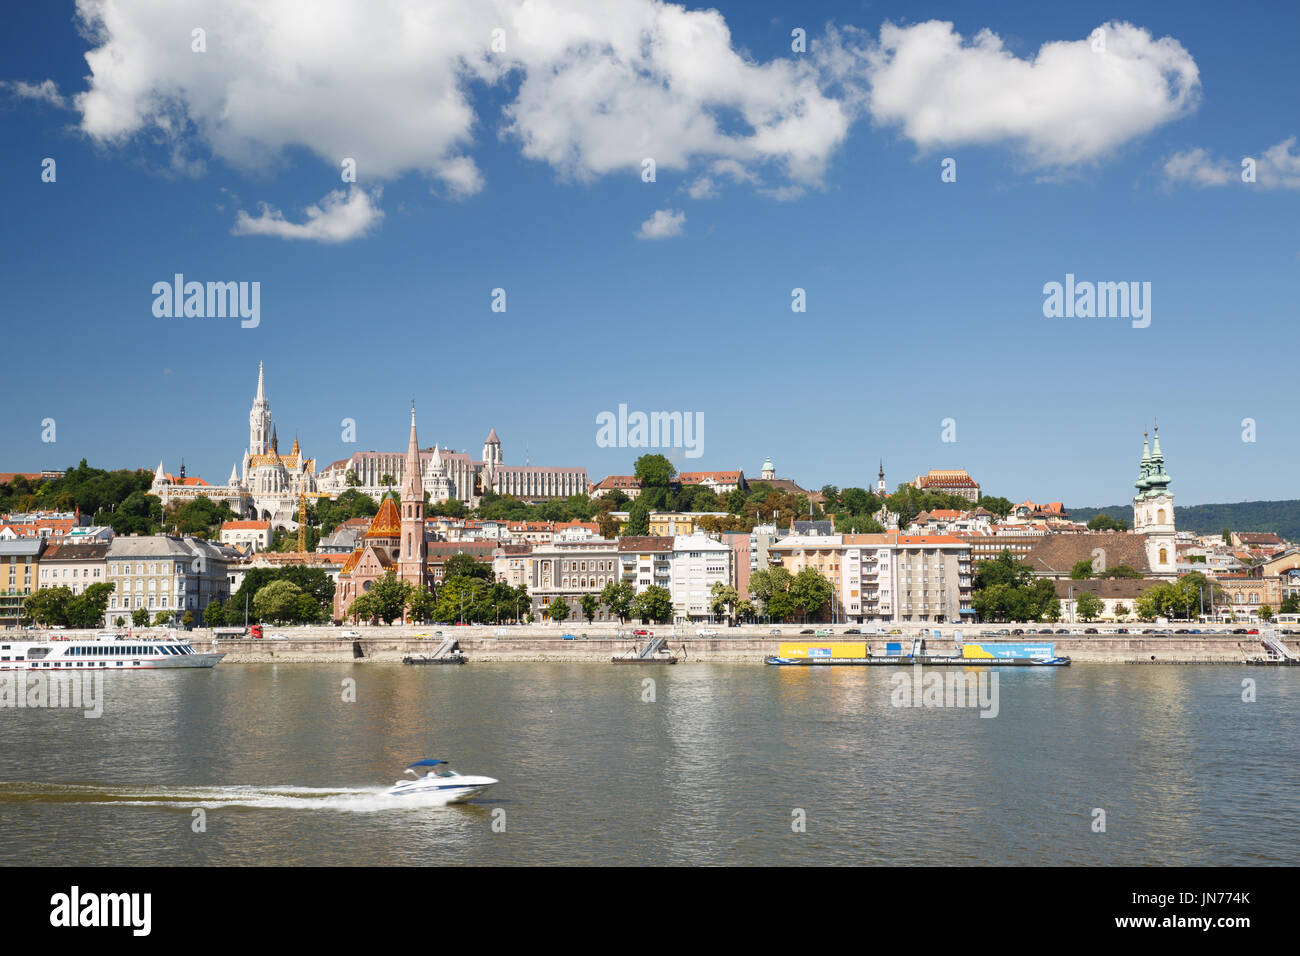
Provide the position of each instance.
(107, 652)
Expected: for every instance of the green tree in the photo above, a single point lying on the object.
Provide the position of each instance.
(420, 605)
(87, 609)
(1121, 611)
(999, 506)
(463, 565)
(390, 596)
(618, 597)
(771, 588)
(48, 606)
(1088, 606)
(724, 601)
(139, 513)
(140, 617)
(1291, 604)
(558, 611)
(1082, 570)
(654, 605)
(306, 610)
(464, 599)
(187, 621)
(162, 618)
(214, 615)
(1121, 571)
(590, 607)
(363, 608)
(609, 525)
(746, 611)
(638, 517)
(1266, 613)
(277, 602)
(811, 593)
(654, 471)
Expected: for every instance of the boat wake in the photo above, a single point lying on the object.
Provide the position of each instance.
(339, 799)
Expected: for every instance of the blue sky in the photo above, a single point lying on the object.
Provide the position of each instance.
(924, 297)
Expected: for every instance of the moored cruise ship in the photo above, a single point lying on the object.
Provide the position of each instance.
(105, 653)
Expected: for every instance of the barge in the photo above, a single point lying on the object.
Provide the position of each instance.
(858, 654)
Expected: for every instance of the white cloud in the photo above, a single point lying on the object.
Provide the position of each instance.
(1067, 105)
(1275, 168)
(337, 218)
(1195, 166)
(664, 224)
(592, 88)
(47, 91)
(602, 84)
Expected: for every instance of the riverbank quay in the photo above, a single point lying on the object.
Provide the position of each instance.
(391, 644)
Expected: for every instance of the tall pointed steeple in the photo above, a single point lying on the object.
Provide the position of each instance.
(1144, 469)
(413, 486)
(410, 563)
(259, 418)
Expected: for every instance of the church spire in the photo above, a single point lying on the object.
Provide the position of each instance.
(413, 486)
(261, 384)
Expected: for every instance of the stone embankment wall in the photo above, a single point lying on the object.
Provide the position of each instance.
(546, 644)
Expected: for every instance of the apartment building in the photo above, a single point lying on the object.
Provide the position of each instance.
(19, 576)
(698, 563)
(571, 570)
(74, 566)
(166, 573)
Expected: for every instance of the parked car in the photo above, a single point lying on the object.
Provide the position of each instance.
(1017, 631)
(1090, 630)
(567, 637)
(1253, 630)
(276, 637)
(706, 632)
(807, 630)
(1121, 630)
(642, 632)
(1061, 630)
(854, 630)
(775, 632)
(1239, 630)
(350, 635)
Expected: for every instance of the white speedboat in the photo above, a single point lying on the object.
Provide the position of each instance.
(438, 778)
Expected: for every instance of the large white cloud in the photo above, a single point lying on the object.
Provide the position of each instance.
(1071, 103)
(602, 84)
(590, 87)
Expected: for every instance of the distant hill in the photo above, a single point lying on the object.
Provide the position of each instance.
(1282, 517)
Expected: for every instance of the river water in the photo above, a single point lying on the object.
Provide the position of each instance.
(708, 764)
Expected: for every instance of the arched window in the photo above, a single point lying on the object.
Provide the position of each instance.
(1160, 516)
(1164, 556)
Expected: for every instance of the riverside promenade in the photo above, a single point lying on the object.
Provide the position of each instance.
(598, 643)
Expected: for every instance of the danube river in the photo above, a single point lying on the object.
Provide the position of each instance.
(727, 764)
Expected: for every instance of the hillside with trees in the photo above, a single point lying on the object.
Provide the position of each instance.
(1281, 517)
